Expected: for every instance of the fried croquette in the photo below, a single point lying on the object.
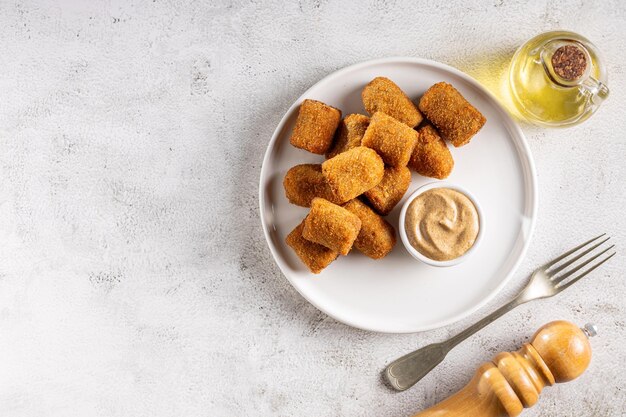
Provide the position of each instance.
(315, 256)
(451, 113)
(431, 156)
(331, 225)
(383, 95)
(394, 141)
(353, 172)
(304, 182)
(377, 237)
(315, 126)
(390, 190)
(349, 135)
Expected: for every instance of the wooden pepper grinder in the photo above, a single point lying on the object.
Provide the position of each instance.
(559, 352)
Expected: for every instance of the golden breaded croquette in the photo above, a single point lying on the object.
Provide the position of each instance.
(331, 225)
(451, 113)
(431, 156)
(315, 126)
(394, 141)
(353, 172)
(349, 135)
(316, 257)
(377, 237)
(383, 95)
(390, 190)
(304, 182)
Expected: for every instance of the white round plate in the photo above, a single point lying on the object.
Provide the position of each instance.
(398, 294)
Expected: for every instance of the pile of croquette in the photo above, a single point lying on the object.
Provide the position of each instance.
(368, 165)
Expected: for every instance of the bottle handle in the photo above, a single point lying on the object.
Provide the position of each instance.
(596, 89)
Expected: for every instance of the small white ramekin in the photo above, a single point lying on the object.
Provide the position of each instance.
(417, 254)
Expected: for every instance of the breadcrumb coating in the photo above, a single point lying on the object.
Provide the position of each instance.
(377, 237)
(316, 257)
(315, 126)
(388, 193)
(457, 120)
(349, 135)
(353, 172)
(431, 156)
(383, 95)
(304, 182)
(331, 225)
(394, 141)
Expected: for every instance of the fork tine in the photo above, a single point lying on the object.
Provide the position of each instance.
(561, 287)
(569, 252)
(578, 267)
(571, 261)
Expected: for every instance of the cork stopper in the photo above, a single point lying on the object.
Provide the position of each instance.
(569, 62)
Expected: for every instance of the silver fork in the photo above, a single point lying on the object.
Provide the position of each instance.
(546, 281)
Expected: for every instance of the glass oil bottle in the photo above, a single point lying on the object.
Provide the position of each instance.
(557, 79)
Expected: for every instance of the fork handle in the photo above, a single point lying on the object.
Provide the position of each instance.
(406, 371)
(455, 340)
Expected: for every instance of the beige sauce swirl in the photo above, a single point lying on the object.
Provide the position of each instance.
(442, 224)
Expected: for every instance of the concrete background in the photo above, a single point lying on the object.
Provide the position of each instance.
(134, 277)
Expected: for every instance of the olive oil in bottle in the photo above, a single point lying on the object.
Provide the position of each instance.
(557, 79)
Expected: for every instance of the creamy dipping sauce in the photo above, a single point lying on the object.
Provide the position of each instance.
(442, 224)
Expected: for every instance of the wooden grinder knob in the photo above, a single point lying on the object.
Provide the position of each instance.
(564, 348)
(559, 352)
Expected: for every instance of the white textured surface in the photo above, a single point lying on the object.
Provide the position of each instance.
(134, 277)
